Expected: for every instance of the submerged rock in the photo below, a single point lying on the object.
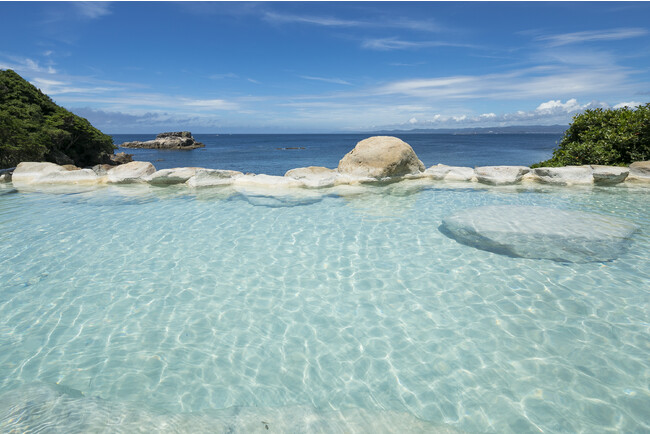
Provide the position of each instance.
(172, 140)
(540, 233)
(49, 408)
(381, 157)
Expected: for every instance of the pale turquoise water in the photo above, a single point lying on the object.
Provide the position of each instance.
(169, 309)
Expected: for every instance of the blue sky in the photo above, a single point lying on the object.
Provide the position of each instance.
(328, 67)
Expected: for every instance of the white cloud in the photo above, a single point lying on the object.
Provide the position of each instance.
(630, 104)
(211, 104)
(393, 22)
(590, 36)
(387, 44)
(413, 121)
(326, 80)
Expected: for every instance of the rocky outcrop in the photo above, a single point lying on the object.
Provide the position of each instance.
(640, 171)
(541, 233)
(381, 157)
(174, 140)
(135, 171)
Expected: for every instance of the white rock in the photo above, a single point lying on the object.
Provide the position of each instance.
(212, 177)
(500, 175)
(438, 172)
(177, 175)
(567, 175)
(608, 175)
(381, 157)
(81, 176)
(541, 233)
(314, 176)
(29, 172)
(460, 174)
(275, 191)
(639, 171)
(135, 171)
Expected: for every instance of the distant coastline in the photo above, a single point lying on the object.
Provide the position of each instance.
(523, 129)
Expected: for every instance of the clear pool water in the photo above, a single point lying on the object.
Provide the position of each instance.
(166, 309)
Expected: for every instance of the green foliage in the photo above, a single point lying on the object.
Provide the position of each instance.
(614, 137)
(34, 128)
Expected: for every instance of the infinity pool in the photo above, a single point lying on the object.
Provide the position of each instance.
(167, 309)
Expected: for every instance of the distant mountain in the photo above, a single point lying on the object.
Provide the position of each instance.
(520, 129)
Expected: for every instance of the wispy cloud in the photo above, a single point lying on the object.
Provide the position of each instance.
(591, 36)
(92, 10)
(211, 104)
(537, 82)
(328, 21)
(222, 76)
(326, 80)
(387, 44)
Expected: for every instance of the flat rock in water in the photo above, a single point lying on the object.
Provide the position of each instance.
(541, 233)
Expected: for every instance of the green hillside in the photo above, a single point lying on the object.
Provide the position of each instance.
(34, 128)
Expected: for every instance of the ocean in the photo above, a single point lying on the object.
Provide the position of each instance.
(268, 153)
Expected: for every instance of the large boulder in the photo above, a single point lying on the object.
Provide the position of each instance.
(29, 172)
(640, 171)
(173, 140)
(314, 176)
(500, 175)
(567, 175)
(540, 233)
(381, 157)
(135, 171)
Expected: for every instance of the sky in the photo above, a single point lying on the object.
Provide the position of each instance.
(285, 67)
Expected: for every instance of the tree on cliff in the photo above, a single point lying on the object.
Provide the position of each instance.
(34, 128)
(614, 137)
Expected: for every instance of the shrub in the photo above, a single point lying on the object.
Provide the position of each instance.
(613, 137)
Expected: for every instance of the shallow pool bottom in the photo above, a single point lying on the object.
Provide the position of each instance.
(185, 304)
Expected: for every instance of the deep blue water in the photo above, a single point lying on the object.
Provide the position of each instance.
(259, 153)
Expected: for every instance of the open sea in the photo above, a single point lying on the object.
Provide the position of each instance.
(138, 308)
(267, 153)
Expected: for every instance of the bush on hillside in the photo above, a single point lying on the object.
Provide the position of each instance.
(34, 128)
(613, 137)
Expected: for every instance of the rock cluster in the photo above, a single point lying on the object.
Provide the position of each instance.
(376, 159)
(173, 140)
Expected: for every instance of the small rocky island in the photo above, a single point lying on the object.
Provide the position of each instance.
(173, 140)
